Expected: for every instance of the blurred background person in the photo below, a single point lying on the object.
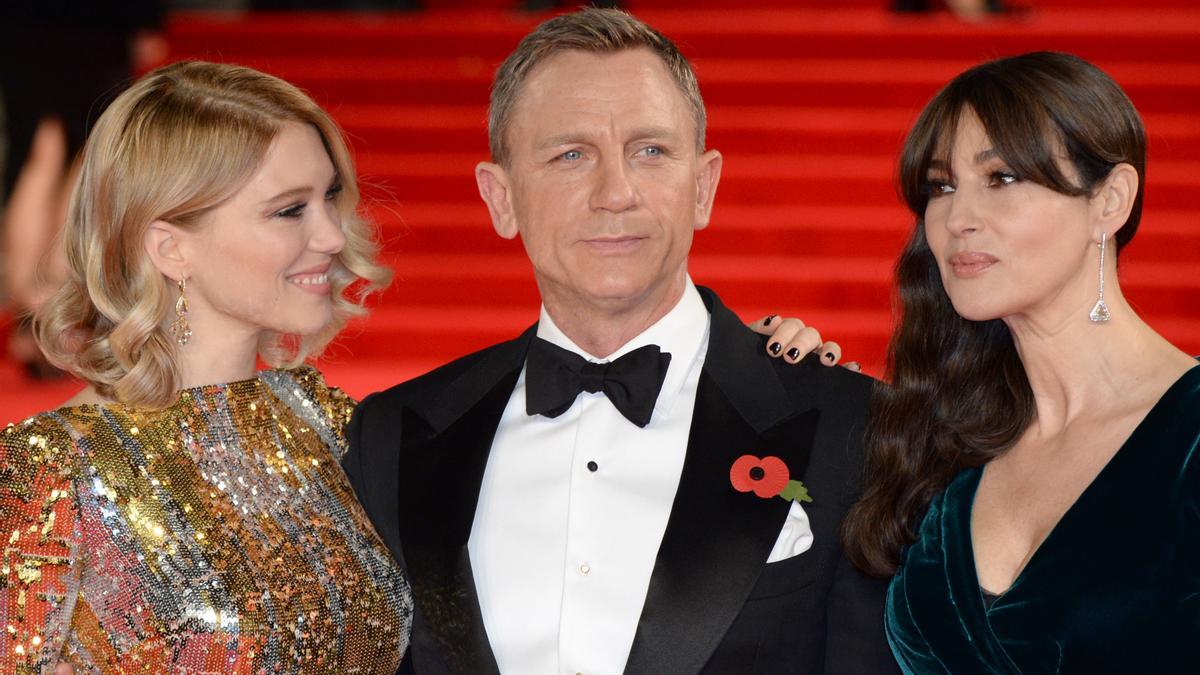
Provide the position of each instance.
(967, 9)
(546, 5)
(61, 62)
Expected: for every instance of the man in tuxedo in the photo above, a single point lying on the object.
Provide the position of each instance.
(600, 494)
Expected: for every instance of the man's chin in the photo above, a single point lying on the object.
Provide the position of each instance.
(626, 295)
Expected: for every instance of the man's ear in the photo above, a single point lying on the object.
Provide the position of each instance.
(707, 178)
(1114, 200)
(496, 191)
(162, 245)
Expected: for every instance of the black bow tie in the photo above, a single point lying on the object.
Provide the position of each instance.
(554, 377)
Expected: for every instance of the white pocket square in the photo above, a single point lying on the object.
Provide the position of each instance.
(795, 538)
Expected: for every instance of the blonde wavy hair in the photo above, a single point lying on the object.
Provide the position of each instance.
(176, 144)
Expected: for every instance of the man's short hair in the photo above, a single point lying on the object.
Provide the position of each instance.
(591, 30)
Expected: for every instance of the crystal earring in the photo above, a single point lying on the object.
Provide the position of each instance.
(181, 330)
(1099, 313)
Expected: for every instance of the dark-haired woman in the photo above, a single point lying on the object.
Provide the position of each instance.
(1034, 476)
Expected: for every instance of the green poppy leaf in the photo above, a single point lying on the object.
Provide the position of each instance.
(795, 491)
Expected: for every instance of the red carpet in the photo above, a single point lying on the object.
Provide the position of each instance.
(808, 103)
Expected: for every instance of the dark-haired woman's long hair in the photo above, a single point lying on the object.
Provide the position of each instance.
(958, 397)
(958, 394)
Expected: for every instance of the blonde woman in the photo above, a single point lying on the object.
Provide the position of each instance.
(184, 513)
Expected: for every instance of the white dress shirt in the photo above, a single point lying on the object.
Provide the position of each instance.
(572, 510)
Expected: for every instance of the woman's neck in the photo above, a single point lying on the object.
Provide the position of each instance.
(1078, 369)
(200, 362)
(215, 357)
(212, 355)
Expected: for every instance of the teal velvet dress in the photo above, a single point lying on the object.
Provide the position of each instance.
(1115, 587)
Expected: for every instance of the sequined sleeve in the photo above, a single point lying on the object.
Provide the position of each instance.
(39, 573)
(327, 409)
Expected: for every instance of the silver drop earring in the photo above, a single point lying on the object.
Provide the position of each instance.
(1099, 313)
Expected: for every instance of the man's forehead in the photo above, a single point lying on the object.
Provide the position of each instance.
(632, 83)
(586, 59)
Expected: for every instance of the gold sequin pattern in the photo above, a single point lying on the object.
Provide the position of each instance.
(216, 536)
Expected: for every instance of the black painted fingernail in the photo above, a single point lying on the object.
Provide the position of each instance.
(767, 321)
(829, 355)
(794, 353)
(775, 348)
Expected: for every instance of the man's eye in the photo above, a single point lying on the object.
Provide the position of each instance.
(571, 155)
(652, 151)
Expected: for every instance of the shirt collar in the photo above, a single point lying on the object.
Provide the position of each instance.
(682, 333)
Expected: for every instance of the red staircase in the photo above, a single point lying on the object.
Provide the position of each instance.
(809, 102)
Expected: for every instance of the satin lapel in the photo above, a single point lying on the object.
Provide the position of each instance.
(717, 539)
(441, 470)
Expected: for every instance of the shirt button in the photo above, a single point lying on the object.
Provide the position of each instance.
(593, 466)
(584, 569)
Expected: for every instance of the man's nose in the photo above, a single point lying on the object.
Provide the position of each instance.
(614, 190)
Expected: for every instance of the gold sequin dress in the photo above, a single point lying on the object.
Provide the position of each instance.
(217, 536)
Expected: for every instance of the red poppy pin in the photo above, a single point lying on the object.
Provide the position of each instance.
(767, 477)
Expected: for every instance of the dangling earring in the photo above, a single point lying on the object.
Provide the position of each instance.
(1099, 312)
(181, 330)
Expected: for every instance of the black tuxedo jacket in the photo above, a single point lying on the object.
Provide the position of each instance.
(417, 457)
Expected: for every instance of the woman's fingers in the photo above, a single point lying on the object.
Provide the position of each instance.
(792, 340)
(831, 353)
(766, 325)
(805, 341)
(789, 334)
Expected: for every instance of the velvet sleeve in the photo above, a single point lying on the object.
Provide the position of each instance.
(1189, 541)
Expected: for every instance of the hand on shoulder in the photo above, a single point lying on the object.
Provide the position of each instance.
(791, 340)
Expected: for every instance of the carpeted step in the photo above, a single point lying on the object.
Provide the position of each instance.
(859, 82)
(639, 6)
(483, 38)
